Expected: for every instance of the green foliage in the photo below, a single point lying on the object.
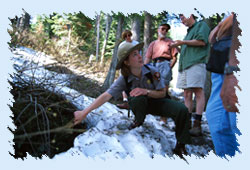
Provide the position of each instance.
(112, 34)
(214, 20)
(58, 26)
(82, 28)
(162, 17)
(50, 33)
(81, 25)
(48, 22)
(12, 32)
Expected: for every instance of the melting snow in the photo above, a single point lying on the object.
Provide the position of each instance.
(108, 135)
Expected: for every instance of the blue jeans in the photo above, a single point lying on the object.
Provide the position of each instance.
(222, 124)
(165, 71)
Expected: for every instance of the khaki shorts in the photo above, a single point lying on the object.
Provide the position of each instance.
(193, 77)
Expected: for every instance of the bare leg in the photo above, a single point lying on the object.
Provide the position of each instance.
(188, 93)
(200, 100)
(200, 103)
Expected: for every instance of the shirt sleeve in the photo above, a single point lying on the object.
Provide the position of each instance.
(117, 87)
(135, 42)
(203, 32)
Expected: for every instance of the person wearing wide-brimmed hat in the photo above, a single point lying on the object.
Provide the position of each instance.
(127, 37)
(145, 96)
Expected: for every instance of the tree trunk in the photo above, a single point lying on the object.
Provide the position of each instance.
(135, 28)
(98, 18)
(93, 43)
(107, 29)
(69, 37)
(111, 74)
(24, 22)
(147, 32)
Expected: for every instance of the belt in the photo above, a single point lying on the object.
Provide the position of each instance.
(160, 59)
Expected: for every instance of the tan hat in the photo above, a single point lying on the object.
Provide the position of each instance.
(124, 50)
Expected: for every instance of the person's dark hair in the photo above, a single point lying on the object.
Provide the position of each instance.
(125, 33)
(180, 15)
(195, 17)
(165, 24)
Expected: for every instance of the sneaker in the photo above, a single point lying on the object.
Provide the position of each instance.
(196, 129)
(123, 105)
(134, 125)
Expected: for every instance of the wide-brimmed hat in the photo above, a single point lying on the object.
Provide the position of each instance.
(124, 50)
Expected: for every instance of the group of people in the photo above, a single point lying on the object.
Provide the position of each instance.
(144, 85)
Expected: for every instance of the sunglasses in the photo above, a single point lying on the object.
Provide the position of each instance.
(164, 29)
(129, 35)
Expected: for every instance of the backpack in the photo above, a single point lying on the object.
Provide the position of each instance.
(220, 50)
(219, 53)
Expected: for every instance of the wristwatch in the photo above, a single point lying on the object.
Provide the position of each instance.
(230, 69)
(148, 91)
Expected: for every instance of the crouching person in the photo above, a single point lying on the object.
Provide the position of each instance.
(146, 91)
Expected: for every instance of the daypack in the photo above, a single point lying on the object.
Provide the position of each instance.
(220, 50)
(219, 53)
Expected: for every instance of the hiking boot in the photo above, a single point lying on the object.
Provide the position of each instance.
(196, 129)
(123, 105)
(180, 150)
(134, 125)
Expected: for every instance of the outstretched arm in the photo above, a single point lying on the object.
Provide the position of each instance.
(188, 42)
(173, 62)
(213, 34)
(221, 30)
(80, 115)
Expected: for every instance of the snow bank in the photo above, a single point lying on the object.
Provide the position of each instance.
(108, 135)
